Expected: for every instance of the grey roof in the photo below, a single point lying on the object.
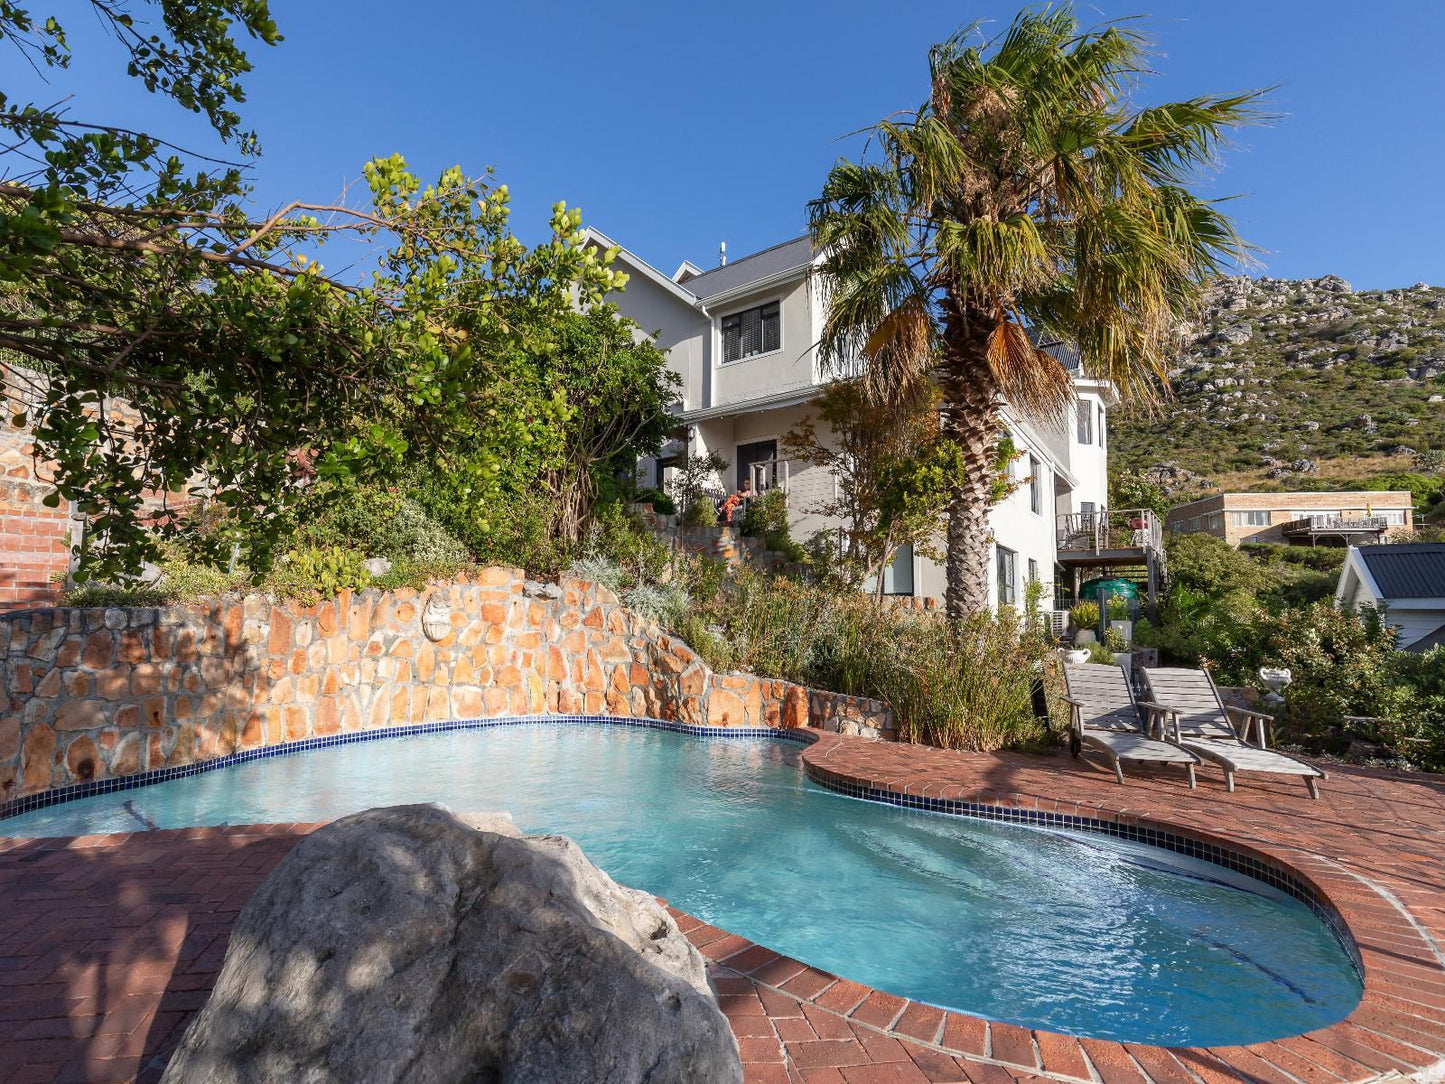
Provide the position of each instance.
(1428, 641)
(1407, 570)
(1065, 353)
(789, 256)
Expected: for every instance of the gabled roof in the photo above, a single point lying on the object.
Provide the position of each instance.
(1428, 641)
(1407, 570)
(760, 267)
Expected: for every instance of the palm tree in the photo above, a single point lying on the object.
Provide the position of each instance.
(1026, 197)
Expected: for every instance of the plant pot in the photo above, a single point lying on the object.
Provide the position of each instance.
(1124, 659)
(1075, 657)
(1085, 636)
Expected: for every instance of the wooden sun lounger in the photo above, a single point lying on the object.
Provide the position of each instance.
(1108, 719)
(1199, 720)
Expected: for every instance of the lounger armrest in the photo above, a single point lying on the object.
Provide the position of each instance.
(1164, 714)
(1248, 711)
(1258, 721)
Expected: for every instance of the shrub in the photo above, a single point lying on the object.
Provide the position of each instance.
(656, 602)
(965, 686)
(767, 518)
(1205, 563)
(1085, 615)
(598, 570)
(316, 572)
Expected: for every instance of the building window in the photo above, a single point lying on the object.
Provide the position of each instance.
(752, 331)
(1036, 486)
(1394, 517)
(1253, 518)
(1033, 571)
(1085, 415)
(1215, 521)
(1101, 425)
(1007, 576)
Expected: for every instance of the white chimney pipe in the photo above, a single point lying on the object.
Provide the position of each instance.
(722, 254)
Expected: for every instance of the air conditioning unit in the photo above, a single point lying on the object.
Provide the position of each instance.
(1059, 623)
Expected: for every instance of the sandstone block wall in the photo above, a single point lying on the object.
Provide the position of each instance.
(96, 693)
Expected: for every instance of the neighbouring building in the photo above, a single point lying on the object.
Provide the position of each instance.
(743, 338)
(1408, 579)
(1306, 519)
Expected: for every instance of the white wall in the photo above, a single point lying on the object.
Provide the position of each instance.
(677, 329)
(790, 368)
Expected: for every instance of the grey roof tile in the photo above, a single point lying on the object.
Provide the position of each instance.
(1409, 570)
(788, 256)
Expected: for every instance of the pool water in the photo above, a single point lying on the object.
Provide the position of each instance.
(1073, 932)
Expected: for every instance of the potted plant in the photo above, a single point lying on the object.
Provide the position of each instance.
(1118, 610)
(1085, 616)
(1118, 646)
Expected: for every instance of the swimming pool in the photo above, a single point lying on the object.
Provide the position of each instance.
(1071, 931)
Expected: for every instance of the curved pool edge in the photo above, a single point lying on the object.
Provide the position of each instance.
(1398, 1027)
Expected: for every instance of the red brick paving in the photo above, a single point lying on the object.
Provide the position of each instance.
(109, 944)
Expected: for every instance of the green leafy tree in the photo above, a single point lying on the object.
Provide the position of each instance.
(893, 475)
(1026, 195)
(1131, 489)
(173, 347)
(617, 392)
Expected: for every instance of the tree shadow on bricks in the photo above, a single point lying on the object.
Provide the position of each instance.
(108, 944)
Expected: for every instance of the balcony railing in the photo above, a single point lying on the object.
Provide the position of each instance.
(1096, 532)
(1345, 524)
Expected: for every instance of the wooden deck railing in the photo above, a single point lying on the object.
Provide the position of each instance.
(1106, 529)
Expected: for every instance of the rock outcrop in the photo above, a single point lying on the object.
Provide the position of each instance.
(1310, 370)
(403, 944)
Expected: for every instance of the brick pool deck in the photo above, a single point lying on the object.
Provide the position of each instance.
(108, 944)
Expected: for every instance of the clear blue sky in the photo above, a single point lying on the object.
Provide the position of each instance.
(675, 126)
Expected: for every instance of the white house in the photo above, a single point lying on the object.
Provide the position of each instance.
(743, 337)
(1409, 579)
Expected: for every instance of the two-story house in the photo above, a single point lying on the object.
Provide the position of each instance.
(743, 337)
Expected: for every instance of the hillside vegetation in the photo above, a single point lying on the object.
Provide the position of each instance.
(1293, 384)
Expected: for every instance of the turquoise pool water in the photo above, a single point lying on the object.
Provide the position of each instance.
(1074, 932)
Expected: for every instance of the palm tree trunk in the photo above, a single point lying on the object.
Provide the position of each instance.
(970, 418)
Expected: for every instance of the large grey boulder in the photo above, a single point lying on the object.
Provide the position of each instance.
(402, 944)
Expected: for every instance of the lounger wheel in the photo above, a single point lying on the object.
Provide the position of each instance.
(1075, 746)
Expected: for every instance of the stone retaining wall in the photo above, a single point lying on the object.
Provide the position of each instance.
(96, 693)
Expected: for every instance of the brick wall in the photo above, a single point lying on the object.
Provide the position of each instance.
(34, 539)
(96, 693)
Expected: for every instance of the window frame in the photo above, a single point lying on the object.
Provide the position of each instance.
(1011, 583)
(1036, 485)
(1084, 423)
(1247, 517)
(738, 314)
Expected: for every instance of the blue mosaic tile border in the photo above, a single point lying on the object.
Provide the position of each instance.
(16, 806)
(1226, 857)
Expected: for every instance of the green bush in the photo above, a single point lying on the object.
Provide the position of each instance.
(767, 518)
(959, 685)
(317, 572)
(1202, 562)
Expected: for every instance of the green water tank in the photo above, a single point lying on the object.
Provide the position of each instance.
(1100, 591)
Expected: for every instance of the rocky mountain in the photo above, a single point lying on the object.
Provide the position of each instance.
(1286, 381)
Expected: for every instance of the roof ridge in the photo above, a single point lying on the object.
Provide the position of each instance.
(751, 255)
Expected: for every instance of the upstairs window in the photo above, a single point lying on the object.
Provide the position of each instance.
(1085, 415)
(752, 331)
(1102, 426)
(1249, 519)
(1036, 486)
